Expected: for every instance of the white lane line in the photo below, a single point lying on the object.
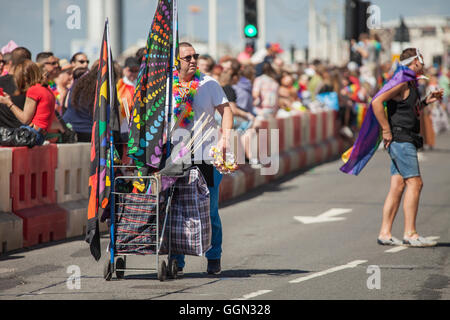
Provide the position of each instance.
(396, 249)
(401, 248)
(350, 265)
(254, 294)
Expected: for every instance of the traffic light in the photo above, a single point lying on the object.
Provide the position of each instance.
(363, 16)
(356, 18)
(250, 18)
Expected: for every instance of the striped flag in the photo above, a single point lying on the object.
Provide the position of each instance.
(106, 120)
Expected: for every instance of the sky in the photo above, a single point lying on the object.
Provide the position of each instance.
(286, 20)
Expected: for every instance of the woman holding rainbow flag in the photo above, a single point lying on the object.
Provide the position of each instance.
(400, 133)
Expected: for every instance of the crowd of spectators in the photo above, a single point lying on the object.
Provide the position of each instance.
(258, 85)
(265, 86)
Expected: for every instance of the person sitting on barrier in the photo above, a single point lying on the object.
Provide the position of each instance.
(265, 92)
(243, 120)
(80, 109)
(39, 108)
(63, 82)
(80, 104)
(287, 92)
(8, 84)
(58, 132)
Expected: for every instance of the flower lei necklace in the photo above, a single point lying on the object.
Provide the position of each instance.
(185, 95)
(55, 91)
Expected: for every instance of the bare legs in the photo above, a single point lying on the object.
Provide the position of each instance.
(410, 205)
(391, 205)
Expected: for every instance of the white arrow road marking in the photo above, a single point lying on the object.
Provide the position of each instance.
(253, 294)
(327, 216)
(401, 248)
(350, 265)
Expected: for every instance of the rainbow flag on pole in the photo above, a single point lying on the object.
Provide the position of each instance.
(106, 120)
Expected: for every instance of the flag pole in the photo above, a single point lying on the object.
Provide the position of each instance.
(111, 145)
(170, 78)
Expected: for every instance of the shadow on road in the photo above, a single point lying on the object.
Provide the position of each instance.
(234, 273)
(443, 244)
(246, 273)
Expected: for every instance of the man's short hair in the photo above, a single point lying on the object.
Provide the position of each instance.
(19, 55)
(184, 45)
(74, 57)
(43, 55)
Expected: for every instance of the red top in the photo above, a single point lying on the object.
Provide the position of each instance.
(45, 107)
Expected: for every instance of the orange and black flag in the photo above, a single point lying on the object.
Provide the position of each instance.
(106, 120)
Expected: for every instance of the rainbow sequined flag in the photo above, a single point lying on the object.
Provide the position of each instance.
(106, 120)
(370, 137)
(145, 144)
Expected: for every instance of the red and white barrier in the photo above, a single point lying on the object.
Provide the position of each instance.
(72, 172)
(247, 178)
(5, 174)
(44, 189)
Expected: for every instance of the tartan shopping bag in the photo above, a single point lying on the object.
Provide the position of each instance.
(136, 224)
(190, 217)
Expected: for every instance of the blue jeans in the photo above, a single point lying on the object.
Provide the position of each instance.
(404, 159)
(215, 252)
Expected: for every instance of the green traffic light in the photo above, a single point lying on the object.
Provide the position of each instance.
(250, 31)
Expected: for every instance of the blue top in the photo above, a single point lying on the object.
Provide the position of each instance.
(80, 119)
(244, 98)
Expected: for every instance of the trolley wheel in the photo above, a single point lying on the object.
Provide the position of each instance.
(107, 274)
(173, 269)
(162, 271)
(120, 264)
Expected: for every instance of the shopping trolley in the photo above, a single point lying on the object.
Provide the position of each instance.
(138, 226)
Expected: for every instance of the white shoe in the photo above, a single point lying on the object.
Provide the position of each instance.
(420, 242)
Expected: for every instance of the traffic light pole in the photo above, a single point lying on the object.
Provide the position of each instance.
(261, 24)
(212, 37)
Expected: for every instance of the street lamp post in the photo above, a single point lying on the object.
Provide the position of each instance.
(47, 41)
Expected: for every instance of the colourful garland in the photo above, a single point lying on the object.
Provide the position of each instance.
(187, 98)
(54, 89)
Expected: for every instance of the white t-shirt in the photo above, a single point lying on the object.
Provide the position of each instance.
(209, 96)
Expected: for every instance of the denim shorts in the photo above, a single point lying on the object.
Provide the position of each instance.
(404, 159)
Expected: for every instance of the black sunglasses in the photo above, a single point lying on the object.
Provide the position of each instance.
(2, 61)
(83, 61)
(189, 58)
